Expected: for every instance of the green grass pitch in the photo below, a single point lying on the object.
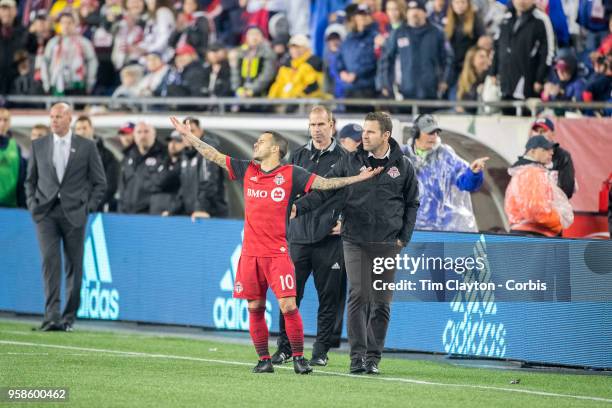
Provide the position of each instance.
(118, 369)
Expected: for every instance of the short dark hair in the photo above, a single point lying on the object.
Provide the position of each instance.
(383, 119)
(280, 141)
(84, 118)
(193, 120)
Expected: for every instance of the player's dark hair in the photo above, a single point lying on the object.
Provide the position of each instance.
(193, 120)
(383, 119)
(280, 141)
(84, 118)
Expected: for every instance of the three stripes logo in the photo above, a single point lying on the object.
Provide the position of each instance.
(98, 299)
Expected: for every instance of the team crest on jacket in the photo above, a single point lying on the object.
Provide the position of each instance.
(393, 172)
(279, 179)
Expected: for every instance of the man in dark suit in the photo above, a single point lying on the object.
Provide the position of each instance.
(65, 182)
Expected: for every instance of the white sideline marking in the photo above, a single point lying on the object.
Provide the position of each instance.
(334, 373)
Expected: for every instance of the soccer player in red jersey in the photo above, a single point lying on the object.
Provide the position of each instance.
(269, 190)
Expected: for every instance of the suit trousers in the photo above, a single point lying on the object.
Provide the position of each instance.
(368, 310)
(55, 229)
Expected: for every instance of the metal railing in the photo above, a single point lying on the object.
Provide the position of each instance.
(299, 106)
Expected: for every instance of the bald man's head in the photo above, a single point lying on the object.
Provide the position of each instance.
(144, 136)
(61, 117)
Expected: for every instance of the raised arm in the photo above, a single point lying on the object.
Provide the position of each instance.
(322, 183)
(206, 150)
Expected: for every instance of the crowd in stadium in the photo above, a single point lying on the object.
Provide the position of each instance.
(555, 50)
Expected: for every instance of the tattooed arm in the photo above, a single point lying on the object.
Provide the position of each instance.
(322, 183)
(206, 150)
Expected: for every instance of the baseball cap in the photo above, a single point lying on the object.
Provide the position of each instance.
(352, 130)
(427, 124)
(337, 29)
(539, 141)
(544, 123)
(185, 49)
(8, 3)
(416, 4)
(127, 128)
(363, 9)
(216, 46)
(175, 135)
(300, 40)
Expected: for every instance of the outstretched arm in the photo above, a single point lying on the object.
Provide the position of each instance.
(322, 183)
(206, 150)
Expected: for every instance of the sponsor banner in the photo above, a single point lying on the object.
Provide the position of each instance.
(173, 271)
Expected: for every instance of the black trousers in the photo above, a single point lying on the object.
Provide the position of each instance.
(324, 260)
(368, 310)
(53, 230)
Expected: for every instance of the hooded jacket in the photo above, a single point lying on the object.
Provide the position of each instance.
(445, 181)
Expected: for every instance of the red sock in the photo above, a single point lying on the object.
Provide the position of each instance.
(295, 331)
(259, 332)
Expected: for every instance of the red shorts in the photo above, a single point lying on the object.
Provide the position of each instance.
(256, 274)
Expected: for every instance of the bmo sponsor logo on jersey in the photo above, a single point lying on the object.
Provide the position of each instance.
(231, 313)
(277, 194)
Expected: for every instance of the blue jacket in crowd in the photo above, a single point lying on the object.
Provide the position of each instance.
(425, 61)
(445, 181)
(357, 56)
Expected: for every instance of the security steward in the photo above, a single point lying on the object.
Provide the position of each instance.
(378, 219)
(315, 245)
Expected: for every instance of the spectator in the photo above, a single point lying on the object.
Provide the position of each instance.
(424, 60)
(217, 73)
(253, 70)
(39, 130)
(396, 12)
(592, 17)
(445, 180)
(13, 166)
(128, 34)
(303, 76)
(566, 85)
(139, 165)
(166, 179)
(524, 51)
(153, 83)
(606, 44)
(281, 51)
(202, 191)
(558, 20)
(437, 11)
(350, 137)
(187, 79)
(357, 61)
(463, 29)
(70, 64)
(493, 16)
(228, 22)
(84, 128)
(334, 35)
(471, 80)
(534, 204)
(191, 28)
(41, 32)
(158, 28)
(24, 83)
(562, 161)
(131, 77)
(378, 15)
(298, 16)
(13, 37)
(125, 135)
(599, 86)
(324, 12)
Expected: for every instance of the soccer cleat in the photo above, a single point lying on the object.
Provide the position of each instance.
(280, 357)
(301, 365)
(357, 366)
(371, 367)
(319, 361)
(263, 366)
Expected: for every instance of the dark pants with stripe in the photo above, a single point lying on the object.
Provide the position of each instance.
(368, 310)
(54, 232)
(324, 260)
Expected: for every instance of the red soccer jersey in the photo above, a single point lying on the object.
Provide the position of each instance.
(267, 202)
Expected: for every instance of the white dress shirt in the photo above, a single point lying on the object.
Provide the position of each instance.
(61, 153)
(386, 156)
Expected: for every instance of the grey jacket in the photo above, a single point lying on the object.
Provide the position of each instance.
(81, 189)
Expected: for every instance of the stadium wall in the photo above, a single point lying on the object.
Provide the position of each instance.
(173, 271)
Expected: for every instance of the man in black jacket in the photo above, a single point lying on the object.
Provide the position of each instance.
(524, 51)
(84, 127)
(315, 245)
(378, 219)
(202, 183)
(562, 159)
(139, 165)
